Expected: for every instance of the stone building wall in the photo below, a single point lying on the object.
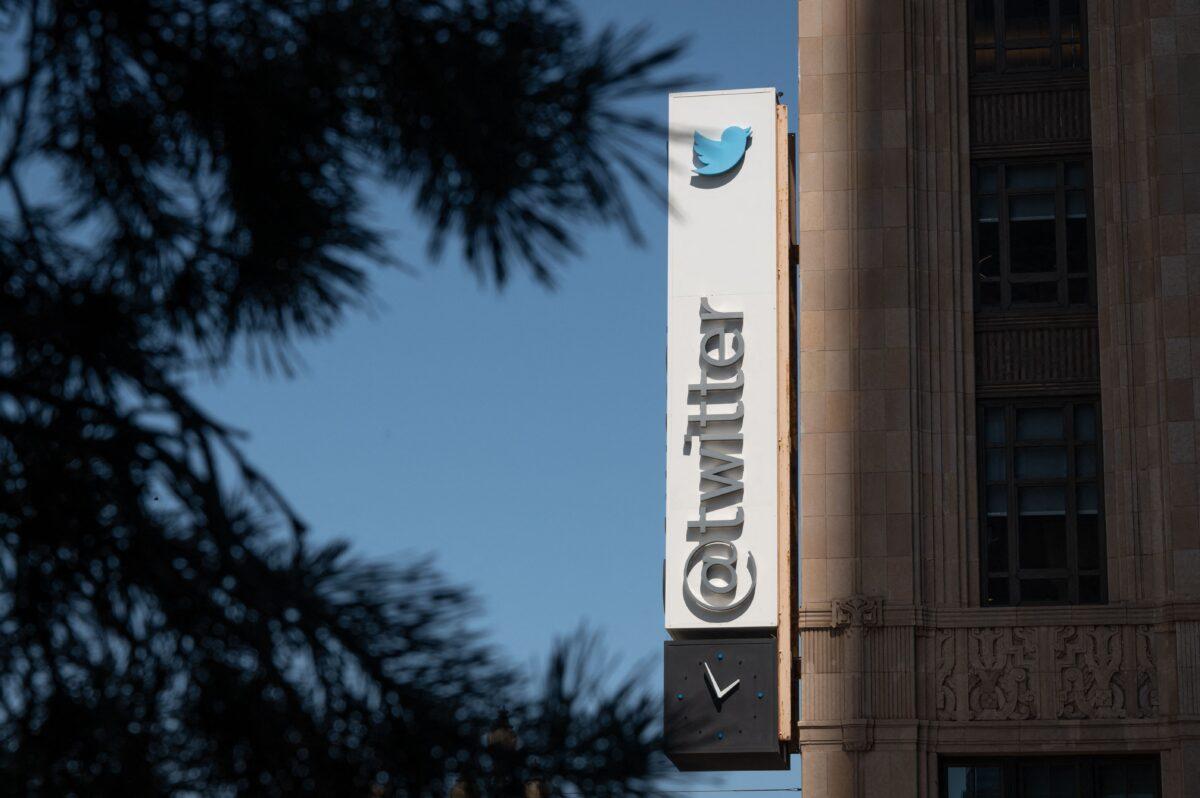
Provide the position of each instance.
(900, 663)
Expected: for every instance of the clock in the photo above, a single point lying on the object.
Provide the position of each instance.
(720, 704)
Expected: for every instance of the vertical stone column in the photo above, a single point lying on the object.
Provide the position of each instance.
(885, 388)
(942, 320)
(1145, 63)
(856, 354)
(858, 366)
(1145, 66)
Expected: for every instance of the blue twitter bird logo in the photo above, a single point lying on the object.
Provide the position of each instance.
(716, 157)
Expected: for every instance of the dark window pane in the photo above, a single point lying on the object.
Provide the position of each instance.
(996, 466)
(1076, 205)
(1026, 19)
(1090, 591)
(997, 500)
(1089, 542)
(973, 782)
(1141, 780)
(1052, 520)
(1085, 422)
(1085, 461)
(1043, 293)
(989, 295)
(1045, 237)
(1111, 780)
(1087, 526)
(1043, 542)
(1077, 232)
(987, 209)
(997, 544)
(987, 782)
(1044, 590)
(988, 242)
(1031, 231)
(1077, 291)
(985, 60)
(1087, 499)
(1050, 780)
(1031, 234)
(1054, 777)
(1070, 22)
(1028, 34)
(994, 424)
(956, 783)
(1042, 528)
(1047, 500)
(1039, 423)
(1042, 175)
(986, 180)
(1072, 56)
(1027, 58)
(985, 22)
(1041, 462)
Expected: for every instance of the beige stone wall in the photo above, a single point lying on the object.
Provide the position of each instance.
(900, 664)
(1146, 132)
(855, 351)
(879, 371)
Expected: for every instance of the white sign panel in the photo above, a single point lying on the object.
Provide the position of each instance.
(722, 377)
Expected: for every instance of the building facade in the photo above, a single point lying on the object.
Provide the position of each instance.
(998, 216)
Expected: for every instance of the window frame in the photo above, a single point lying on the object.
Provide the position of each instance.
(1087, 767)
(1014, 574)
(1005, 277)
(1001, 45)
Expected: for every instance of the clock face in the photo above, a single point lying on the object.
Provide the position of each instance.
(721, 704)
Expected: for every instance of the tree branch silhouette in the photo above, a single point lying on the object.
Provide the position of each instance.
(181, 179)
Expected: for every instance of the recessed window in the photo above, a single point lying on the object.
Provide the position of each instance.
(1052, 777)
(1032, 239)
(1014, 36)
(1041, 524)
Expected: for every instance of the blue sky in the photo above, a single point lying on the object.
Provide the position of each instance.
(516, 435)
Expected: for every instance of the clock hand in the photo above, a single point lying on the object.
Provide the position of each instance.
(713, 679)
(721, 693)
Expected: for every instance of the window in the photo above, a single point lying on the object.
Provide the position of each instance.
(1041, 504)
(1013, 36)
(1032, 235)
(1052, 777)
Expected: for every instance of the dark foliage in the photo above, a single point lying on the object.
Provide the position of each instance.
(181, 179)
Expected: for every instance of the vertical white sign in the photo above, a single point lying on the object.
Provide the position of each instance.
(722, 378)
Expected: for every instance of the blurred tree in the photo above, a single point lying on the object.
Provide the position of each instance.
(183, 180)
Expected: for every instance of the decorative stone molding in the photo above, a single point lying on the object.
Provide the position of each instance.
(1063, 672)
(1088, 663)
(1147, 673)
(1057, 114)
(858, 735)
(999, 673)
(1063, 352)
(857, 611)
(947, 698)
(1187, 654)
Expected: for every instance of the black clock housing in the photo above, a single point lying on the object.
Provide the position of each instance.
(707, 730)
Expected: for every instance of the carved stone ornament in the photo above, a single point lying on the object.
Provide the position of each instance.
(1002, 661)
(856, 611)
(1147, 673)
(1088, 662)
(947, 698)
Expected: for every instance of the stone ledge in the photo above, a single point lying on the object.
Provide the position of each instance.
(820, 616)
